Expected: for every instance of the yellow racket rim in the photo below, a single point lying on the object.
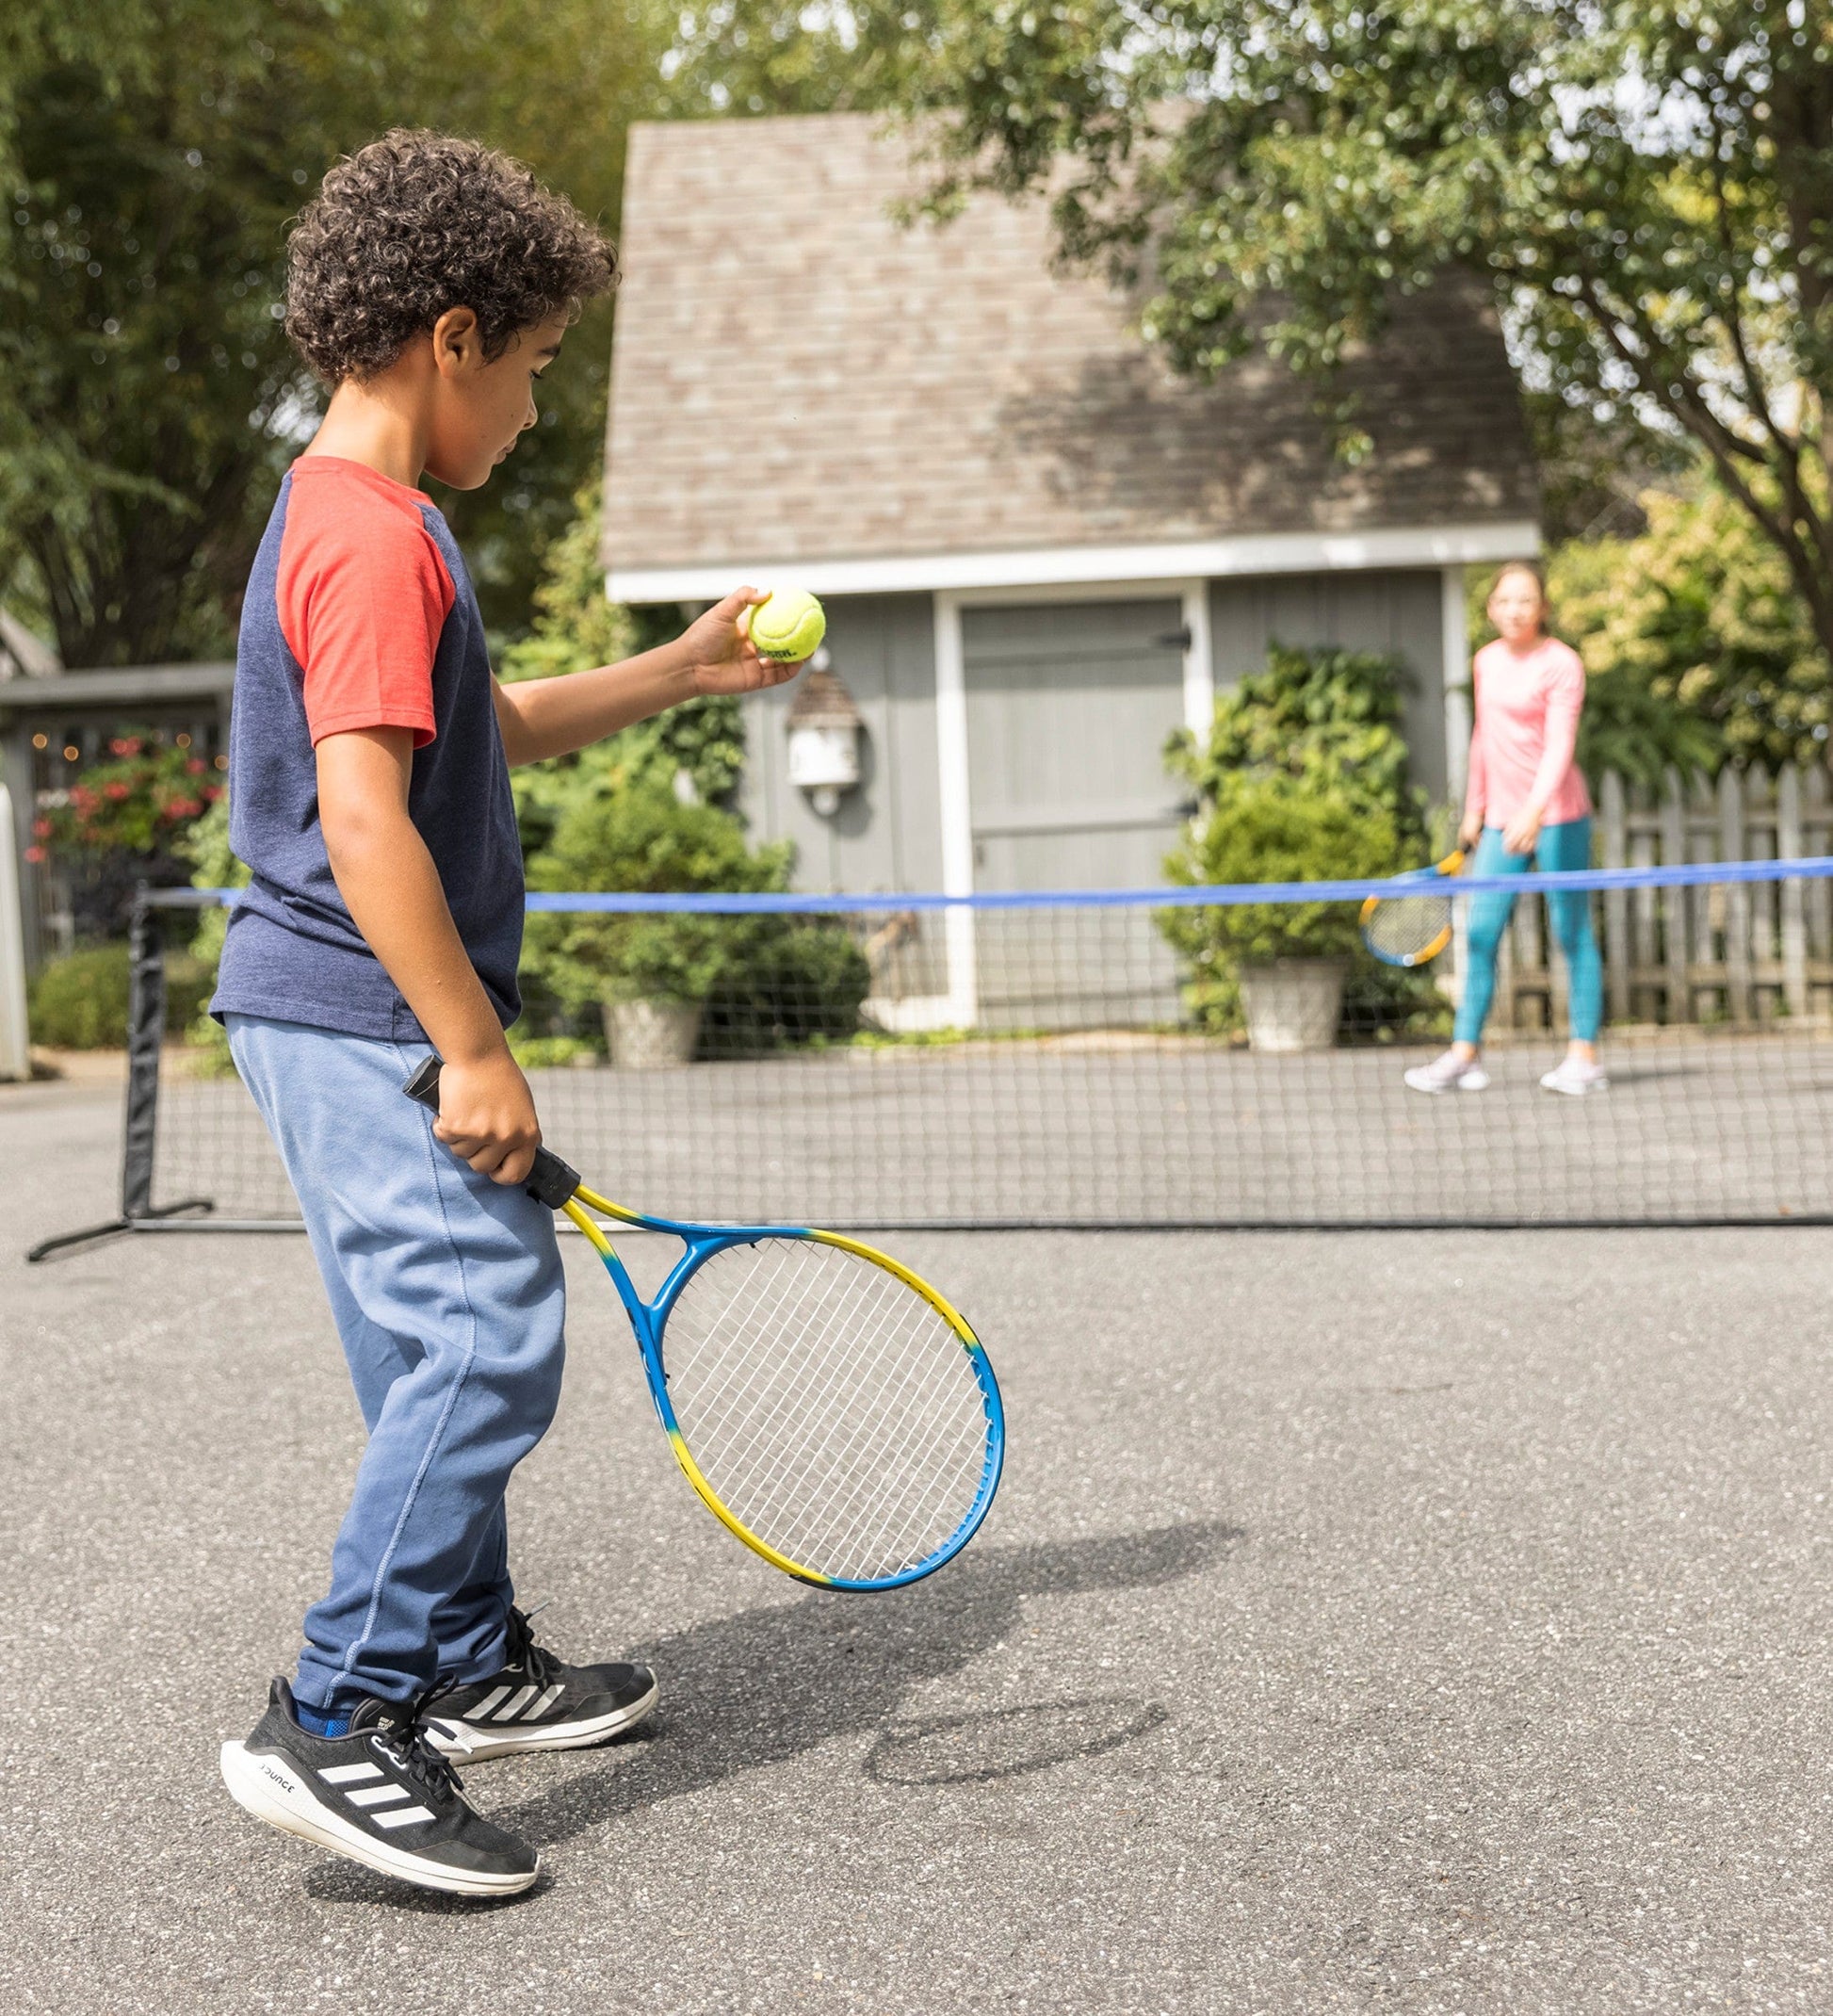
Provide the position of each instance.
(1448, 866)
(689, 1469)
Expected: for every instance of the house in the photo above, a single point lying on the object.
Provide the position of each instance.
(1040, 551)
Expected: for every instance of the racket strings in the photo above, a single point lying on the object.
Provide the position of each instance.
(831, 1409)
(806, 1504)
(1403, 926)
(821, 1494)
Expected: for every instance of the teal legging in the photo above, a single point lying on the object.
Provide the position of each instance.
(1565, 846)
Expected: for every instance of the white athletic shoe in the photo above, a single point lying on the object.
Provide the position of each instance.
(1449, 1073)
(1575, 1078)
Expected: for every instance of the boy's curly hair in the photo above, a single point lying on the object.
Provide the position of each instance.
(418, 222)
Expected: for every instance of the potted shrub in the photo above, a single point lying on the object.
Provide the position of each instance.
(1278, 968)
(650, 973)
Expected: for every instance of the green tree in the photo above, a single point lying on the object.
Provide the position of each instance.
(696, 750)
(148, 398)
(1646, 188)
(1696, 648)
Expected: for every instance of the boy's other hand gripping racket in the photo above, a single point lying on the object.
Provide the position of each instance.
(1414, 924)
(833, 1410)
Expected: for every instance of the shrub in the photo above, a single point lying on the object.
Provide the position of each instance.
(1328, 719)
(206, 845)
(575, 628)
(803, 981)
(79, 1003)
(1303, 778)
(645, 839)
(765, 981)
(1272, 829)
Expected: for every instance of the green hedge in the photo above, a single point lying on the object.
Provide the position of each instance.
(80, 1003)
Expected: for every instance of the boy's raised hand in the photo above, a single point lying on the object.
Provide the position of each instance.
(722, 658)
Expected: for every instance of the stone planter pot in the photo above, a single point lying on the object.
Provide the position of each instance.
(652, 1035)
(1293, 1004)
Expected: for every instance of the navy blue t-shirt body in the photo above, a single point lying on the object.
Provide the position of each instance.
(360, 613)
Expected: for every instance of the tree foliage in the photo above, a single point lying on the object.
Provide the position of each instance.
(1698, 651)
(151, 155)
(1646, 183)
(696, 750)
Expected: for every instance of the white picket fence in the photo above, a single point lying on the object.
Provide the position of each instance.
(1741, 953)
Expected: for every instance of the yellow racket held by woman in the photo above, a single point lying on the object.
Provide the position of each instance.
(833, 1411)
(1414, 924)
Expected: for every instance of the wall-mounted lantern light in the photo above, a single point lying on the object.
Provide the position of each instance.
(825, 731)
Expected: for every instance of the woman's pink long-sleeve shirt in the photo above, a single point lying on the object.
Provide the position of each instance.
(1527, 729)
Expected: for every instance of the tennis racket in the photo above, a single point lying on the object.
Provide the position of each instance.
(833, 1411)
(1414, 924)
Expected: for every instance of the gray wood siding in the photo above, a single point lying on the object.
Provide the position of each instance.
(1398, 610)
(888, 833)
(1069, 705)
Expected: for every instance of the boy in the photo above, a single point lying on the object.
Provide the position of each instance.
(431, 282)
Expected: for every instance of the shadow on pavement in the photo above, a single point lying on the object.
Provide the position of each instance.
(741, 1692)
(753, 1690)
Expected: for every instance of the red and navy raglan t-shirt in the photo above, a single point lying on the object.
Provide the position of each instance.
(360, 614)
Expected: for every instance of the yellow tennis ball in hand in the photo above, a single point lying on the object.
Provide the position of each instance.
(788, 623)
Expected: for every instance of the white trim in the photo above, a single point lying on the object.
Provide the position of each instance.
(955, 810)
(1454, 653)
(1199, 660)
(1440, 545)
(15, 1038)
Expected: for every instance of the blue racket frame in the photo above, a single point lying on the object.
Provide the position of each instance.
(649, 1320)
(1440, 871)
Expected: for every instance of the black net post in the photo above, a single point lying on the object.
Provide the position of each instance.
(146, 1031)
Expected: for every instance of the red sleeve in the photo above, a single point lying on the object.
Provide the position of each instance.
(364, 593)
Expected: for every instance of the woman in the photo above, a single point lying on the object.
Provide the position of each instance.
(1526, 803)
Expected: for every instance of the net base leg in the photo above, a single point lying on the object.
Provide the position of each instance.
(113, 1229)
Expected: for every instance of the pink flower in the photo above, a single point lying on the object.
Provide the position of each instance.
(116, 792)
(196, 766)
(35, 854)
(42, 829)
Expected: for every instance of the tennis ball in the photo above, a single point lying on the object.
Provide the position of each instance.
(788, 623)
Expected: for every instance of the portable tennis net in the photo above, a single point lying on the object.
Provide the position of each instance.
(1083, 1059)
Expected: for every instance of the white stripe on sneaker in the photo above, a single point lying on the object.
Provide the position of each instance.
(406, 1817)
(512, 1707)
(488, 1702)
(547, 1700)
(378, 1794)
(349, 1774)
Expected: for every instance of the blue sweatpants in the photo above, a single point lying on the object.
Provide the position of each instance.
(449, 1297)
(1565, 846)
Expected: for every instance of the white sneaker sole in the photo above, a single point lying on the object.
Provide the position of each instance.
(1571, 1091)
(472, 1742)
(1468, 1081)
(265, 1786)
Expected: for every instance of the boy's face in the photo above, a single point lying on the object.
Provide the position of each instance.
(482, 405)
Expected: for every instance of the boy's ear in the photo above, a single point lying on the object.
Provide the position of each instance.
(457, 343)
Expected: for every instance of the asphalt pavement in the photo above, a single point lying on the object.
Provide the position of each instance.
(1401, 1622)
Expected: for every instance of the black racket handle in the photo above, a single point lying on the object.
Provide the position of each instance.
(550, 1181)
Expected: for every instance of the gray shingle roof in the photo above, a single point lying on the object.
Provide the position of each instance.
(796, 377)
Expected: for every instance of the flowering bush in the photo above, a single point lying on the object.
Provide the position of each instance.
(137, 803)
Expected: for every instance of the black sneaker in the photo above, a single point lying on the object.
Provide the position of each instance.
(380, 1796)
(539, 1702)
